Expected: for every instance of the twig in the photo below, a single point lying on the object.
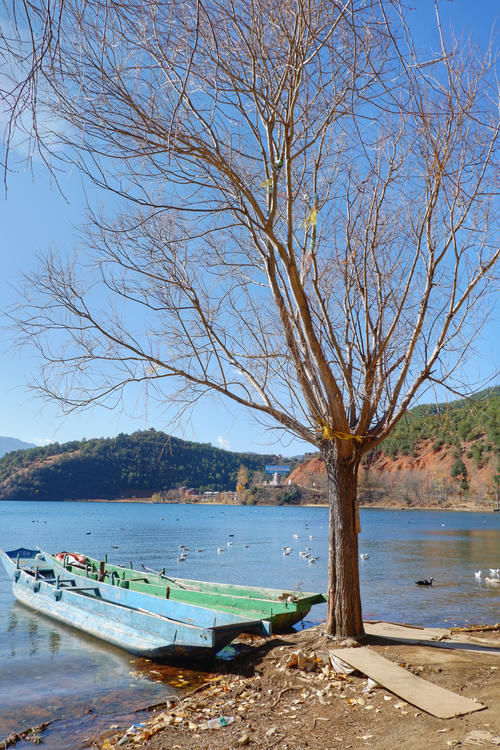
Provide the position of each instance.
(282, 692)
(318, 718)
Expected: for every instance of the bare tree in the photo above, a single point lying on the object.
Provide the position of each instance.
(307, 226)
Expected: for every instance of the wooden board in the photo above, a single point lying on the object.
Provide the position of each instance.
(405, 632)
(436, 637)
(431, 698)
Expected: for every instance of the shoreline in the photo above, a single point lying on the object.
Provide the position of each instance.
(462, 508)
(468, 508)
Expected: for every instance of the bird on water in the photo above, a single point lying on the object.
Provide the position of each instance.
(425, 582)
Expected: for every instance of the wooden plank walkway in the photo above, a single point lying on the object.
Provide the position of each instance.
(431, 698)
(436, 637)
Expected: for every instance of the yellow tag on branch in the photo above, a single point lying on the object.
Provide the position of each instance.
(312, 219)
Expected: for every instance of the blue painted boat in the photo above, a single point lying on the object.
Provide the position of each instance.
(144, 625)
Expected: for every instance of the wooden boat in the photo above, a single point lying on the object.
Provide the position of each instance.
(282, 608)
(144, 625)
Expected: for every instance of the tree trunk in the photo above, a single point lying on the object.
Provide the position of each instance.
(344, 616)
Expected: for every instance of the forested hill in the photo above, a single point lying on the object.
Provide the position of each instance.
(437, 456)
(471, 425)
(456, 445)
(128, 465)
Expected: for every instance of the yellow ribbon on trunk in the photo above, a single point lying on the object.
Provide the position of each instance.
(329, 434)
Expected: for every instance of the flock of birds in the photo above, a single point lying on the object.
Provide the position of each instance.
(494, 576)
(184, 549)
(305, 554)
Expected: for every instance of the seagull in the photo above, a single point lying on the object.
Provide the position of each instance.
(425, 582)
(495, 572)
(477, 575)
(364, 555)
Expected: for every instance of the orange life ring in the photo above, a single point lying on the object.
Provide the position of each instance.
(71, 557)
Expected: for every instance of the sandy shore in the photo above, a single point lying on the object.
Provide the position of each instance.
(267, 703)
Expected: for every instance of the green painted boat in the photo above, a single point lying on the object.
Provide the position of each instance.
(283, 608)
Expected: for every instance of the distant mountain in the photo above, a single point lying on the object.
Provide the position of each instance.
(139, 465)
(13, 444)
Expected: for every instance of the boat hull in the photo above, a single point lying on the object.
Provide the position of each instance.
(130, 620)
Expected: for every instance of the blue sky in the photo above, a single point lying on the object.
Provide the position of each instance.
(34, 218)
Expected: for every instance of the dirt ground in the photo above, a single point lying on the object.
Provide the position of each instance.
(270, 704)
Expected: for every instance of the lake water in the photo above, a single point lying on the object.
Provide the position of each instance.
(51, 672)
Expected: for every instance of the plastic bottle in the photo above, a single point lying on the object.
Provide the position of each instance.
(221, 721)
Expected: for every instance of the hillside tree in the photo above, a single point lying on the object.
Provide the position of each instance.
(300, 215)
(241, 479)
